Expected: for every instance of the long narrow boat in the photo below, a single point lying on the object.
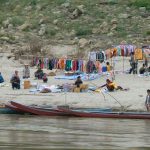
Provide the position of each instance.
(46, 110)
(74, 113)
(119, 115)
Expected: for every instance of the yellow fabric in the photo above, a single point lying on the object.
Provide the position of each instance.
(98, 90)
(113, 84)
(138, 55)
(108, 67)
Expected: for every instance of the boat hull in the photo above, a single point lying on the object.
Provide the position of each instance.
(77, 113)
(119, 115)
(37, 111)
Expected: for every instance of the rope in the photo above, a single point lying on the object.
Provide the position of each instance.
(123, 108)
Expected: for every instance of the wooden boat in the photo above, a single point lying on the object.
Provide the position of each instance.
(46, 110)
(77, 113)
(119, 115)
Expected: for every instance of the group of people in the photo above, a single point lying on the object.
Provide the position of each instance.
(134, 65)
(15, 79)
(39, 74)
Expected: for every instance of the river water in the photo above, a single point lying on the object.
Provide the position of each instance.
(27, 132)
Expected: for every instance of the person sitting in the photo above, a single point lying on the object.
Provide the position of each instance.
(142, 70)
(1, 78)
(78, 82)
(111, 86)
(39, 73)
(26, 71)
(45, 79)
(15, 81)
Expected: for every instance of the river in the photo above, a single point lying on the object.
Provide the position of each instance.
(27, 132)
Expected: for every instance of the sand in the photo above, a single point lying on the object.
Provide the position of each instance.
(133, 99)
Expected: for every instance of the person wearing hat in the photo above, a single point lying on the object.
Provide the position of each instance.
(26, 71)
(78, 81)
(147, 102)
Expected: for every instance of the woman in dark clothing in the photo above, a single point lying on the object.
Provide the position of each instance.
(39, 73)
(15, 81)
(78, 81)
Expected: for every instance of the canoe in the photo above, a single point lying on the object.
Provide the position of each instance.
(76, 113)
(49, 110)
(119, 115)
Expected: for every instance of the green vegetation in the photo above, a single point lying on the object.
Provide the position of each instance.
(81, 31)
(50, 32)
(59, 20)
(148, 33)
(141, 3)
(17, 20)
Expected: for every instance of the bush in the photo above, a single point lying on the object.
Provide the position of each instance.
(83, 31)
(2, 18)
(17, 21)
(148, 33)
(50, 32)
(113, 2)
(121, 31)
(141, 3)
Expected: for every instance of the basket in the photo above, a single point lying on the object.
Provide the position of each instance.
(27, 84)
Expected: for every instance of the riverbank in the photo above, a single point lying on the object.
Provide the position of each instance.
(133, 99)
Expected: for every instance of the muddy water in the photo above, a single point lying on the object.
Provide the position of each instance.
(27, 132)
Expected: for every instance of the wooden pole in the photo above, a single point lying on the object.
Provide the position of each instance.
(123, 64)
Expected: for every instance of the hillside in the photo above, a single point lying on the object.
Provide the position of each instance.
(32, 25)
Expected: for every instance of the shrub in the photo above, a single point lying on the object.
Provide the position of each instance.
(121, 32)
(148, 33)
(50, 32)
(83, 31)
(2, 18)
(16, 21)
(112, 2)
(141, 3)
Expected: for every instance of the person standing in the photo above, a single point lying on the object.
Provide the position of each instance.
(147, 102)
(26, 71)
(134, 64)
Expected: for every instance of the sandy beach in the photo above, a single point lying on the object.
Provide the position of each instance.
(133, 99)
